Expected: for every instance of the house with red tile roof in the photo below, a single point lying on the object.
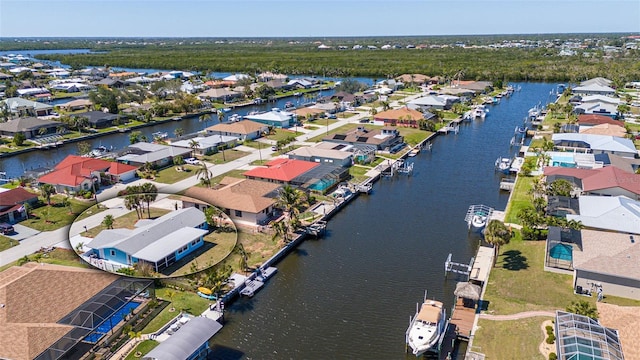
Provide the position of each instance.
(281, 170)
(594, 119)
(607, 181)
(76, 173)
(12, 204)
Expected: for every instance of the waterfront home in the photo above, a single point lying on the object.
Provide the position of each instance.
(207, 144)
(322, 156)
(300, 84)
(595, 144)
(597, 108)
(606, 181)
(236, 77)
(99, 119)
(417, 79)
(594, 89)
(280, 170)
(600, 99)
(122, 75)
(23, 107)
(362, 154)
(76, 173)
(12, 204)
(33, 92)
(243, 130)
(384, 138)
(78, 104)
(30, 322)
(30, 127)
(626, 320)
(574, 331)
(606, 129)
(220, 94)
(159, 242)
(140, 80)
(613, 213)
(157, 155)
(190, 342)
(278, 84)
(439, 102)
(110, 83)
(72, 87)
(245, 201)
(598, 81)
(475, 86)
(276, 118)
(625, 163)
(268, 75)
(585, 120)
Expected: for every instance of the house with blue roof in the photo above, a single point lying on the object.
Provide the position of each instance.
(159, 242)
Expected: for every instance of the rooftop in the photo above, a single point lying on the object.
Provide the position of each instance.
(282, 169)
(238, 194)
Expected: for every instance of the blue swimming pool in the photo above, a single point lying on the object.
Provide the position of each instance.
(563, 160)
(562, 252)
(114, 319)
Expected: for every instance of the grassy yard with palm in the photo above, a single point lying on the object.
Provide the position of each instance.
(186, 301)
(56, 215)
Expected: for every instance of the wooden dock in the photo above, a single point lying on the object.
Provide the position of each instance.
(463, 318)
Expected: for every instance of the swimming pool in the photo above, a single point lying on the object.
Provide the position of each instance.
(563, 160)
(111, 321)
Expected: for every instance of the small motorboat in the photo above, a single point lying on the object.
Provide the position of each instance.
(479, 219)
(503, 164)
(426, 327)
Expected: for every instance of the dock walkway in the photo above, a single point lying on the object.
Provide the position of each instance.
(462, 318)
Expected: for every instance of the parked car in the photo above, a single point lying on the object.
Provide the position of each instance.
(191, 161)
(6, 228)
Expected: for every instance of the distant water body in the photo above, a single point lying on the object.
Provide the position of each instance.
(350, 294)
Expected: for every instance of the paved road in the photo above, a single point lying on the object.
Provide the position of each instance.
(116, 207)
(518, 316)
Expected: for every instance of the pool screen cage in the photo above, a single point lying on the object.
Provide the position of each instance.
(560, 246)
(93, 313)
(580, 337)
(331, 175)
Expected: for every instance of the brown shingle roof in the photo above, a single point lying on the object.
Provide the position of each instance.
(237, 194)
(36, 296)
(625, 319)
(241, 127)
(399, 114)
(590, 119)
(606, 129)
(609, 253)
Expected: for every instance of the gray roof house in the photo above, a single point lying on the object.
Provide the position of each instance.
(189, 342)
(29, 126)
(597, 108)
(615, 213)
(208, 144)
(323, 156)
(595, 144)
(598, 81)
(156, 154)
(439, 102)
(99, 119)
(23, 107)
(594, 89)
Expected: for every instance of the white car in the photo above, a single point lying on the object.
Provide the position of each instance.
(191, 161)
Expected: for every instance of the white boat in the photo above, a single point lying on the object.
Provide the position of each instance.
(160, 135)
(415, 151)
(479, 112)
(479, 219)
(426, 327)
(235, 118)
(503, 164)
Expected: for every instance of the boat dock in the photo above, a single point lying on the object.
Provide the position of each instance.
(507, 184)
(462, 318)
(251, 287)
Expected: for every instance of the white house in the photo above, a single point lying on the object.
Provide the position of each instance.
(209, 144)
(275, 117)
(594, 89)
(614, 213)
(595, 144)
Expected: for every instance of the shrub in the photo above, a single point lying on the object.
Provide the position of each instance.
(553, 356)
(551, 339)
(549, 329)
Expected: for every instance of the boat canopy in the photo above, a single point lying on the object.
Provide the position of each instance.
(430, 312)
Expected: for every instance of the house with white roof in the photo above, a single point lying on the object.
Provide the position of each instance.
(158, 155)
(276, 118)
(600, 99)
(208, 144)
(72, 87)
(597, 108)
(300, 83)
(160, 242)
(440, 102)
(236, 77)
(595, 144)
(594, 89)
(598, 81)
(613, 213)
(32, 91)
(23, 107)
(243, 130)
(323, 156)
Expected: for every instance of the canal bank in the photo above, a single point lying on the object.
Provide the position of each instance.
(350, 294)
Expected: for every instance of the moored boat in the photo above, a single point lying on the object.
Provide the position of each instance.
(479, 219)
(426, 327)
(503, 164)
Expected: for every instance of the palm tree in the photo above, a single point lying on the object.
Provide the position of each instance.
(290, 200)
(220, 115)
(178, 132)
(204, 174)
(282, 231)
(171, 294)
(132, 202)
(149, 194)
(178, 161)
(108, 221)
(244, 257)
(47, 190)
(497, 235)
(584, 308)
(194, 145)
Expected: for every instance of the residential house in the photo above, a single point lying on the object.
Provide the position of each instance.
(600, 99)
(626, 321)
(31, 324)
(268, 75)
(31, 127)
(245, 201)
(278, 84)
(300, 84)
(276, 118)
(439, 102)
(381, 139)
(475, 86)
(76, 173)
(72, 87)
(157, 155)
(322, 156)
(207, 144)
(12, 204)
(160, 242)
(606, 181)
(23, 107)
(417, 79)
(78, 104)
(403, 116)
(220, 94)
(236, 77)
(618, 214)
(597, 108)
(594, 89)
(280, 171)
(99, 119)
(33, 92)
(606, 129)
(110, 83)
(595, 144)
(308, 113)
(243, 130)
(585, 120)
(597, 81)
(625, 163)
(573, 332)
(346, 99)
(190, 342)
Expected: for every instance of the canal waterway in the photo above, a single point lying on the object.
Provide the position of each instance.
(350, 294)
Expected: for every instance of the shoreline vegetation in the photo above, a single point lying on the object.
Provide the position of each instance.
(479, 56)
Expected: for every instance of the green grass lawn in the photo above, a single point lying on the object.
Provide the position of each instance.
(342, 129)
(232, 173)
(6, 242)
(506, 340)
(346, 115)
(221, 245)
(144, 348)
(183, 301)
(126, 221)
(64, 257)
(357, 173)
(520, 199)
(224, 157)
(283, 134)
(413, 136)
(171, 175)
(47, 218)
(94, 209)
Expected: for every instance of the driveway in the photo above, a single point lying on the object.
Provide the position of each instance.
(22, 232)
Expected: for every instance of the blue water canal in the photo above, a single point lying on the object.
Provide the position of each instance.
(350, 294)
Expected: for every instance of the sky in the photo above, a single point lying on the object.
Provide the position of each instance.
(312, 18)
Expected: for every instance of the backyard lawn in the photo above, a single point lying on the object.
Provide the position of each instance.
(183, 301)
(47, 218)
(506, 340)
(357, 173)
(144, 348)
(171, 175)
(520, 199)
(283, 134)
(225, 156)
(218, 245)
(6, 242)
(126, 221)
